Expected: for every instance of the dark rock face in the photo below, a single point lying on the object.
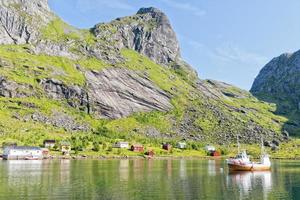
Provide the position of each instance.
(75, 95)
(58, 119)
(118, 92)
(149, 32)
(279, 82)
(17, 22)
(280, 79)
(12, 89)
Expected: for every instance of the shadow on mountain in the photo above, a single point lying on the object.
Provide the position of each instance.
(286, 108)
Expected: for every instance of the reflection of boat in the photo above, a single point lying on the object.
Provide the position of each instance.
(242, 162)
(31, 158)
(249, 180)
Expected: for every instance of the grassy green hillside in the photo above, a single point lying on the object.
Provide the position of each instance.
(202, 111)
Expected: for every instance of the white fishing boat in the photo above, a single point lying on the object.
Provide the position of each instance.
(242, 162)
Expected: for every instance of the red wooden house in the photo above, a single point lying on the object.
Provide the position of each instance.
(137, 148)
(167, 147)
(150, 153)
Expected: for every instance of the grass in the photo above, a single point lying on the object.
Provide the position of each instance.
(58, 31)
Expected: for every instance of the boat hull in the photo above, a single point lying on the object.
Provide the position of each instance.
(249, 167)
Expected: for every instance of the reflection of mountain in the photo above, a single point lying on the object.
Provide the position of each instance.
(249, 181)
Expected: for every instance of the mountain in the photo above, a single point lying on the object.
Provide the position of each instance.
(123, 79)
(279, 82)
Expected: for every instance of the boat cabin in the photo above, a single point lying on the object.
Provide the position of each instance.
(22, 153)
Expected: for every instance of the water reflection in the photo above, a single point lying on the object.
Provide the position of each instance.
(182, 169)
(124, 170)
(22, 172)
(247, 182)
(143, 179)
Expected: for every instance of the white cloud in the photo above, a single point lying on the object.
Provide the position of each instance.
(185, 6)
(195, 44)
(88, 5)
(231, 53)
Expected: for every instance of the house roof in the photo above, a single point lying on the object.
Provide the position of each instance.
(65, 143)
(137, 145)
(181, 142)
(23, 148)
(121, 142)
(49, 141)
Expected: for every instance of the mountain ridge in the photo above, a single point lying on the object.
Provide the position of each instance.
(278, 82)
(123, 79)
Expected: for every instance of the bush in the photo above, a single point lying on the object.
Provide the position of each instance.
(96, 146)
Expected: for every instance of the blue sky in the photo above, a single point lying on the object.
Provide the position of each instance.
(228, 40)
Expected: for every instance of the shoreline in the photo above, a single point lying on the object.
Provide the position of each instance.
(86, 157)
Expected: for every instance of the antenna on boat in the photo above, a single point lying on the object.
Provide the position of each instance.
(238, 143)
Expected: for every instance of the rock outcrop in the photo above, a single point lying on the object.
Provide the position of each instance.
(279, 82)
(75, 95)
(118, 92)
(12, 89)
(148, 32)
(20, 20)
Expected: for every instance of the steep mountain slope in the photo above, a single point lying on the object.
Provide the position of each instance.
(279, 82)
(124, 79)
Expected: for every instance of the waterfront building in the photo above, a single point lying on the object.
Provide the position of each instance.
(22, 153)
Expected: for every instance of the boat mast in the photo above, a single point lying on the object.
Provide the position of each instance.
(238, 143)
(262, 146)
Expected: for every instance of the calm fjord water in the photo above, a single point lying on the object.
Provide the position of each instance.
(145, 179)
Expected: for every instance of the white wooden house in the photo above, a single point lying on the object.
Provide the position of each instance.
(122, 145)
(181, 145)
(210, 148)
(22, 152)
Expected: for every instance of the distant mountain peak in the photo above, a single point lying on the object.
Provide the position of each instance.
(27, 5)
(148, 10)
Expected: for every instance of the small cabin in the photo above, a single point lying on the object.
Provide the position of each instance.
(150, 153)
(22, 153)
(211, 151)
(122, 145)
(137, 148)
(167, 146)
(49, 143)
(65, 147)
(181, 145)
(210, 148)
(45, 152)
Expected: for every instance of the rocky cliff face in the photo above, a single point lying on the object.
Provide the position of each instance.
(149, 32)
(20, 19)
(118, 92)
(279, 82)
(124, 78)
